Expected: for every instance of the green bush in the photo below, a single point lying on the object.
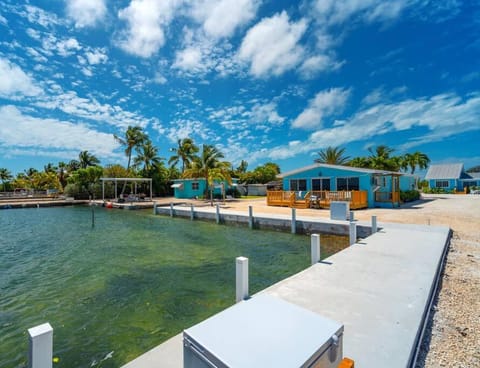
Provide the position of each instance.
(409, 195)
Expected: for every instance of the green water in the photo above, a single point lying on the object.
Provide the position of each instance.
(129, 283)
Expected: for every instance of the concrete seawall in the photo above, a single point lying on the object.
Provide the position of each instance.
(304, 225)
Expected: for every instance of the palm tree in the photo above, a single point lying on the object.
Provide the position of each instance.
(185, 151)
(134, 138)
(61, 171)
(87, 159)
(210, 167)
(333, 156)
(380, 158)
(362, 162)
(415, 159)
(49, 168)
(148, 157)
(73, 166)
(5, 175)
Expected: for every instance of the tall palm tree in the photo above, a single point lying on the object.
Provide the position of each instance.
(210, 167)
(185, 151)
(73, 166)
(61, 171)
(333, 156)
(415, 159)
(5, 175)
(148, 157)
(134, 138)
(362, 162)
(87, 159)
(380, 158)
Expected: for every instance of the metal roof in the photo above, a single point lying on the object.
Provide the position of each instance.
(340, 167)
(447, 171)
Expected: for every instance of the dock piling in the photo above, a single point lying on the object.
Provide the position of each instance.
(192, 212)
(241, 278)
(250, 217)
(374, 224)
(294, 221)
(154, 208)
(315, 248)
(217, 214)
(171, 209)
(353, 233)
(40, 346)
(352, 216)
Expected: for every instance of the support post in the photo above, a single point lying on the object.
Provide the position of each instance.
(352, 216)
(241, 278)
(217, 214)
(171, 209)
(154, 208)
(353, 233)
(40, 346)
(315, 248)
(192, 212)
(294, 220)
(374, 224)
(250, 217)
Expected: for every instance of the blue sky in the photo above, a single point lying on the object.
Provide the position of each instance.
(262, 80)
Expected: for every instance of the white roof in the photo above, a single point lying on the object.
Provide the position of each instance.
(338, 167)
(447, 171)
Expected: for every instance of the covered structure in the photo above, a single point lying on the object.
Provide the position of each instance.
(125, 181)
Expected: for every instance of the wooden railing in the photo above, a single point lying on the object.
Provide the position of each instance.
(317, 199)
(387, 197)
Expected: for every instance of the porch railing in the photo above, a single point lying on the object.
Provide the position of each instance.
(393, 197)
(318, 199)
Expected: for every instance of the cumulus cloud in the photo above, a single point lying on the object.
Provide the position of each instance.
(3, 20)
(272, 47)
(188, 59)
(24, 131)
(318, 63)
(15, 83)
(222, 18)
(146, 20)
(324, 104)
(185, 128)
(86, 13)
(442, 116)
(96, 56)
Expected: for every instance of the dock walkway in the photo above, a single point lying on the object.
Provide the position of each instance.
(380, 289)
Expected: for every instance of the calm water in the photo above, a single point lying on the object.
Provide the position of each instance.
(116, 290)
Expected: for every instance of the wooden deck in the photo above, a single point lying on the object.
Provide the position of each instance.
(317, 199)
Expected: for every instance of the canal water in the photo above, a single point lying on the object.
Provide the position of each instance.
(113, 291)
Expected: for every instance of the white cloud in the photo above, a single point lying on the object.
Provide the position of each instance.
(15, 83)
(272, 45)
(189, 59)
(20, 130)
(68, 46)
(184, 128)
(97, 56)
(442, 115)
(324, 104)
(39, 16)
(3, 20)
(318, 63)
(222, 18)
(265, 113)
(86, 13)
(144, 35)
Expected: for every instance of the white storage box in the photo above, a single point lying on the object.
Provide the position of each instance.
(339, 210)
(264, 332)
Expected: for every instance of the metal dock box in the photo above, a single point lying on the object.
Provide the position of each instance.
(339, 210)
(264, 332)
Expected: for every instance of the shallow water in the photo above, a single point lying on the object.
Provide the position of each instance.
(129, 283)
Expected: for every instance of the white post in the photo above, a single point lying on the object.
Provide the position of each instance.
(352, 216)
(353, 233)
(154, 208)
(315, 248)
(250, 217)
(192, 212)
(217, 214)
(374, 224)
(171, 209)
(294, 221)
(241, 278)
(40, 346)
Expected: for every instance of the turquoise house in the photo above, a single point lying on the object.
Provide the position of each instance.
(382, 188)
(451, 177)
(195, 188)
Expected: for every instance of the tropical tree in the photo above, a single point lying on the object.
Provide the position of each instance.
(5, 176)
(333, 156)
(362, 162)
(148, 158)
(134, 138)
(380, 158)
(73, 166)
(210, 167)
(416, 159)
(49, 168)
(185, 152)
(62, 172)
(87, 159)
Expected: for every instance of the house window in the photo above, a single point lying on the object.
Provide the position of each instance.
(321, 184)
(442, 184)
(195, 185)
(298, 184)
(351, 183)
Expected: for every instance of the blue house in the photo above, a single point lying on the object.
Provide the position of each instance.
(196, 188)
(362, 187)
(451, 177)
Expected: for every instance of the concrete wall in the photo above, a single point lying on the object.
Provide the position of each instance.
(303, 227)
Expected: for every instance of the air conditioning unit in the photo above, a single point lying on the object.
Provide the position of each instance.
(264, 332)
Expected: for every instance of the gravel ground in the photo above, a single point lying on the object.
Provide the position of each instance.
(452, 337)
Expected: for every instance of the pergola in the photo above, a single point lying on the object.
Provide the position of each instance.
(126, 181)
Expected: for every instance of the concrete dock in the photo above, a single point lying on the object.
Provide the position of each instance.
(380, 289)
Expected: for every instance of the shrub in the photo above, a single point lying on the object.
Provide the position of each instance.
(409, 195)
